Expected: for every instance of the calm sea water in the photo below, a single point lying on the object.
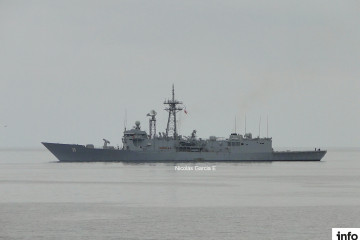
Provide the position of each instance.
(41, 198)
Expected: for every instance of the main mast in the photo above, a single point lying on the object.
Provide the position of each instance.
(172, 108)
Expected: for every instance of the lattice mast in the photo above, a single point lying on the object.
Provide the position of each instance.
(172, 108)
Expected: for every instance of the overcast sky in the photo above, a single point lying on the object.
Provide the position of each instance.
(70, 69)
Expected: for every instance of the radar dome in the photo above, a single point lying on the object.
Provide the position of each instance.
(137, 123)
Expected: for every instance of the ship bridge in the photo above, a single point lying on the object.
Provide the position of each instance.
(135, 137)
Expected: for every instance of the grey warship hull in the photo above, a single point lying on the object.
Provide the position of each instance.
(80, 153)
(169, 146)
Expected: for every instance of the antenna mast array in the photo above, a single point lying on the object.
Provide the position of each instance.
(259, 126)
(172, 109)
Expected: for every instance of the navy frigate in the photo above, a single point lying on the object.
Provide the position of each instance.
(140, 146)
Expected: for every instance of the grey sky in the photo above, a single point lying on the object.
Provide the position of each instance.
(69, 69)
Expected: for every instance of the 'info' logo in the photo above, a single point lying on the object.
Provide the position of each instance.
(345, 234)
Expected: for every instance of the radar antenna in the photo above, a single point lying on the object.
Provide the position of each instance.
(172, 109)
(152, 124)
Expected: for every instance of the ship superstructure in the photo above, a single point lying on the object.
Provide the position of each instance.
(170, 141)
